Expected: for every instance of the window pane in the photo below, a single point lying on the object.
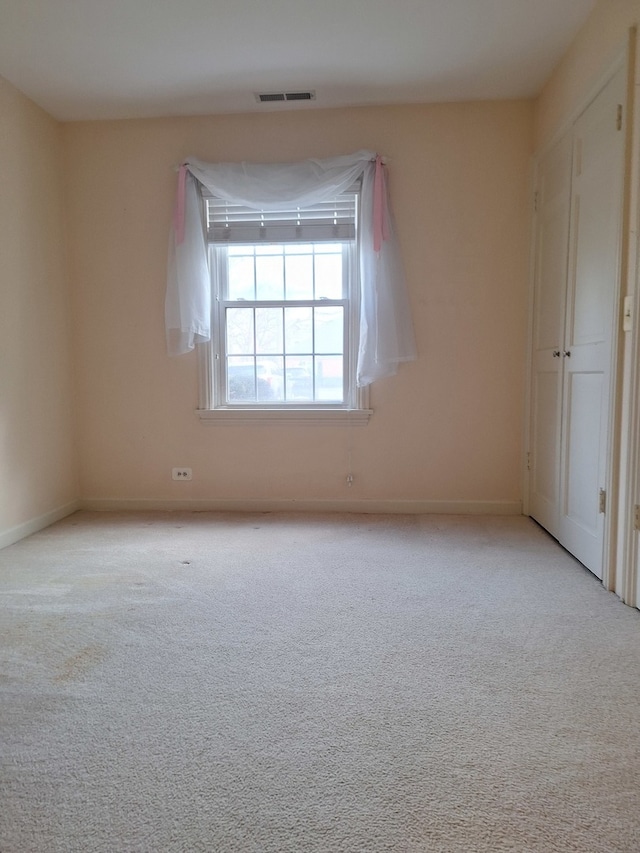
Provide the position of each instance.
(328, 270)
(298, 330)
(241, 380)
(239, 331)
(299, 272)
(269, 249)
(299, 378)
(269, 331)
(329, 329)
(298, 249)
(269, 277)
(270, 383)
(329, 379)
(328, 248)
(240, 277)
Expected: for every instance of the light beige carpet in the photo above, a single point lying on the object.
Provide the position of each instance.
(313, 684)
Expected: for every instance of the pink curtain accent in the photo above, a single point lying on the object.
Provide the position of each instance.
(178, 213)
(380, 229)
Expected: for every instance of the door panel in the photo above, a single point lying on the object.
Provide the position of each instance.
(581, 499)
(553, 230)
(591, 296)
(550, 280)
(547, 460)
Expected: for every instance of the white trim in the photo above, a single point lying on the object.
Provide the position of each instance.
(212, 392)
(293, 416)
(628, 587)
(618, 58)
(206, 372)
(27, 528)
(610, 567)
(528, 367)
(406, 507)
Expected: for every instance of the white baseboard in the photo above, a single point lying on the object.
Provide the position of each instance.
(14, 534)
(279, 505)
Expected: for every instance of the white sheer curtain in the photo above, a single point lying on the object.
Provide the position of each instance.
(386, 332)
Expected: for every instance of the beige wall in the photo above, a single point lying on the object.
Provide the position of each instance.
(37, 453)
(447, 428)
(601, 38)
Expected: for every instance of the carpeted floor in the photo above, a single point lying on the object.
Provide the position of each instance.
(313, 684)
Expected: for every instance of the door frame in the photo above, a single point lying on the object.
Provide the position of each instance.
(628, 587)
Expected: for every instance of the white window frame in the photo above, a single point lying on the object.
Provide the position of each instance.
(213, 406)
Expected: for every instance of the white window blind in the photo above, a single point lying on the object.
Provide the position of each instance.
(333, 220)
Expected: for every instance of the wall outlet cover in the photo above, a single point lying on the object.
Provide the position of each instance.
(181, 474)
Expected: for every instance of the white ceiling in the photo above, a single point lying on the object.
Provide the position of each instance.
(98, 59)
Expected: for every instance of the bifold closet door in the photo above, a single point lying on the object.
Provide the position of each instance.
(576, 286)
(592, 294)
(553, 203)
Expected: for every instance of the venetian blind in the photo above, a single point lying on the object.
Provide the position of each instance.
(324, 221)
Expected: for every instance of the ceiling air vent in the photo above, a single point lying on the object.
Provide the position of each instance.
(300, 96)
(270, 97)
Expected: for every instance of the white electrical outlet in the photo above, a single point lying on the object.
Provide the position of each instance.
(181, 474)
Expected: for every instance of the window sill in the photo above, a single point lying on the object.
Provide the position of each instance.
(308, 417)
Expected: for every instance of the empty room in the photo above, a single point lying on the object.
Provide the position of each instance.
(320, 426)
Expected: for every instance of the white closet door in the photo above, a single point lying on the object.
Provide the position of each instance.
(592, 293)
(576, 286)
(553, 202)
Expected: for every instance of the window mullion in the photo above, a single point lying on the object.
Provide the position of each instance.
(352, 315)
(347, 328)
(255, 355)
(313, 352)
(284, 354)
(219, 345)
(313, 326)
(284, 274)
(277, 303)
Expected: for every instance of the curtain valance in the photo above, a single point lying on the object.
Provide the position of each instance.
(386, 332)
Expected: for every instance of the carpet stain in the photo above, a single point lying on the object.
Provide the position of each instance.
(82, 662)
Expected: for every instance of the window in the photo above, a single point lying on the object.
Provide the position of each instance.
(285, 308)
(302, 266)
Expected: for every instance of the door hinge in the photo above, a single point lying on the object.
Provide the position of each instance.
(528, 461)
(619, 118)
(535, 201)
(636, 517)
(602, 501)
